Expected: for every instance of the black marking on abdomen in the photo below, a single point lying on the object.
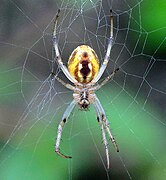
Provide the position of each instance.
(85, 54)
(85, 69)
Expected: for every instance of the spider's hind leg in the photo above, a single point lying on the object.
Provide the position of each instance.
(57, 57)
(55, 23)
(108, 52)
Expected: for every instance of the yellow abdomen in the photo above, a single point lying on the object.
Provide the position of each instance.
(83, 64)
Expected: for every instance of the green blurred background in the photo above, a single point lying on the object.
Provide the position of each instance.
(31, 105)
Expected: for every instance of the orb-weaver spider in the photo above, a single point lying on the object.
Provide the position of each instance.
(84, 72)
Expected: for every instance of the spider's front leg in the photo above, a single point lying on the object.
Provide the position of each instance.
(106, 123)
(99, 119)
(60, 128)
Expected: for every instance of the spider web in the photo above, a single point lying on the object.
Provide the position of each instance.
(32, 104)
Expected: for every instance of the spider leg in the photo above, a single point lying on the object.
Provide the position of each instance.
(58, 56)
(95, 88)
(68, 86)
(60, 128)
(99, 119)
(107, 56)
(106, 123)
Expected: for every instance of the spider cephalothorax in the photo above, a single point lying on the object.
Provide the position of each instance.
(84, 72)
(84, 100)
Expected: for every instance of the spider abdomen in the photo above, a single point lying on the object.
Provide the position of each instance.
(83, 64)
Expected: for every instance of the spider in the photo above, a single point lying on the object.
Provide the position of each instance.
(84, 72)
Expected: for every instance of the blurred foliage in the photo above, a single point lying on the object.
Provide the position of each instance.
(10, 85)
(31, 154)
(150, 17)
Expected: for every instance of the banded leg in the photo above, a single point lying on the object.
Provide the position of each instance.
(60, 128)
(107, 56)
(58, 56)
(106, 123)
(68, 86)
(95, 88)
(99, 118)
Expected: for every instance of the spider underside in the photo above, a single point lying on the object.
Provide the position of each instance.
(84, 72)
